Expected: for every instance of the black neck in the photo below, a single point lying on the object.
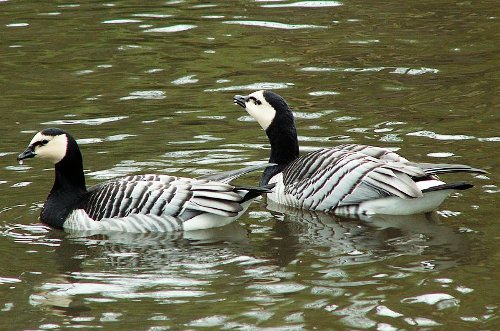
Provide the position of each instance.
(69, 186)
(69, 174)
(284, 145)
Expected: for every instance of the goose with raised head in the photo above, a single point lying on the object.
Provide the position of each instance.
(139, 203)
(346, 179)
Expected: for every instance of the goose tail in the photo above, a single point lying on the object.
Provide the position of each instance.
(433, 197)
(459, 186)
(443, 168)
(254, 191)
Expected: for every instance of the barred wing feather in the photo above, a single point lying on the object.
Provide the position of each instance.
(161, 195)
(373, 151)
(329, 178)
(387, 155)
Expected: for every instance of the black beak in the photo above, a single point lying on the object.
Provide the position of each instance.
(28, 153)
(240, 100)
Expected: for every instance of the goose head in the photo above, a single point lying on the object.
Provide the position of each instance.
(50, 144)
(273, 114)
(265, 107)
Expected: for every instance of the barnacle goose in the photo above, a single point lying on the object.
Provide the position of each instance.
(346, 179)
(139, 203)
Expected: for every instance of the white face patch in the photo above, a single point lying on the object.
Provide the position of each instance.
(260, 109)
(54, 150)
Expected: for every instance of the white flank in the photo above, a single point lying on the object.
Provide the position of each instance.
(278, 194)
(79, 220)
(398, 206)
(207, 221)
(389, 205)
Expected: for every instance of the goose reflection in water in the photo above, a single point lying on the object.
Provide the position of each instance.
(179, 267)
(367, 238)
(136, 263)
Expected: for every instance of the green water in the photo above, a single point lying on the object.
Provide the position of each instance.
(147, 87)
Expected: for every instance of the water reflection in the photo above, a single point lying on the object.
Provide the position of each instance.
(166, 267)
(233, 233)
(173, 28)
(253, 86)
(276, 25)
(394, 70)
(312, 261)
(305, 4)
(176, 268)
(367, 239)
(416, 80)
(92, 121)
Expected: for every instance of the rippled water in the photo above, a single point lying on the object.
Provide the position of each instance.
(147, 87)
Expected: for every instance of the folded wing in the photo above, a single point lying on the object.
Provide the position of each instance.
(161, 195)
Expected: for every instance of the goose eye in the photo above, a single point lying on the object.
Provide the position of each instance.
(255, 101)
(44, 142)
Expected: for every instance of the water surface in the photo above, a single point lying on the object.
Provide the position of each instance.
(147, 87)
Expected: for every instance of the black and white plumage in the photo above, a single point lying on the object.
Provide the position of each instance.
(140, 203)
(347, 179)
